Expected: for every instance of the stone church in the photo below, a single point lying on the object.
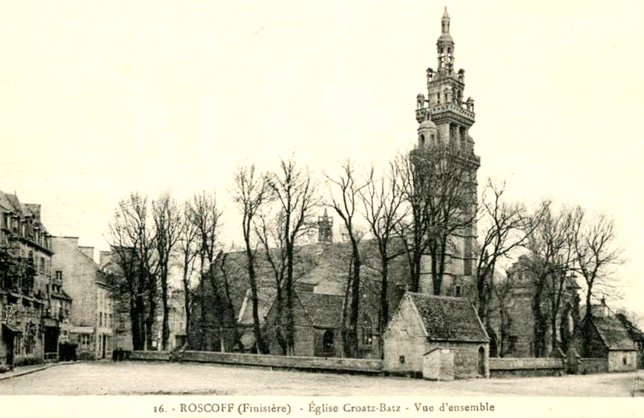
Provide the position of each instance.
(423, 324)
(445, 118)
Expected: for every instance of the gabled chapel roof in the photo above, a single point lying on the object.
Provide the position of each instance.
(448, 318)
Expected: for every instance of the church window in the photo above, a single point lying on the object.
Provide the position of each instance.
(422, 140)
(457, 291)
(29, 344)
(467, 263)
(366, 331)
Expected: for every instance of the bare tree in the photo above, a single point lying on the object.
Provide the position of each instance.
(167, 224)
(206, 216)
(382, 201)
(345, 204)
(596, 254)
(296, 199)
(507, 227)
(271, 237)
(188, 254)
(132, 244)
(251, 192)
(504, 292)
(549, 264)
(440, 192)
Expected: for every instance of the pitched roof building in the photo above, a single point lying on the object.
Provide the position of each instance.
(424, 323)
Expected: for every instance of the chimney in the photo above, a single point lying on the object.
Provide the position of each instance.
(88, 251)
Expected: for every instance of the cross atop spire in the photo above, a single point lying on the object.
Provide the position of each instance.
(445, 21)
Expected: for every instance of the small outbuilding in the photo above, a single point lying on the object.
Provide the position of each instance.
(442, 336)
(610, 339)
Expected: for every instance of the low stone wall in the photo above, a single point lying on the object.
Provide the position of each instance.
(592, 365)
(305, 363)
(302, 363)
(150, 355)
(501, 367)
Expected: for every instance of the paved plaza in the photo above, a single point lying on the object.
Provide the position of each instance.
(141, 378)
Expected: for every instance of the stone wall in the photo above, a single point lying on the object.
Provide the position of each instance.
(405, 342)
(622, 361)
(592, 365)
(500, 367)
(294, 362)
(466, 358)
(150, 355)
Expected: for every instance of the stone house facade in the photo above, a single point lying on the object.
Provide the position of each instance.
(30, 329)
(425, 323)
(92, 314)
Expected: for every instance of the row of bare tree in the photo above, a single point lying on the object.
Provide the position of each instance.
(148, 240)
(557, 248)
(415, 208)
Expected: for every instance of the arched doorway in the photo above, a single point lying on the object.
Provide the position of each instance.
(481, 361)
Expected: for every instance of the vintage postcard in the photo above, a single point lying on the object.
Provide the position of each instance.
(321, 209)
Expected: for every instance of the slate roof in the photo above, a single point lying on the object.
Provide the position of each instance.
(324, 311)
(632, 329)
(448, 318)
(613, 333)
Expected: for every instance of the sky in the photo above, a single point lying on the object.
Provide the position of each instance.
(102, 98)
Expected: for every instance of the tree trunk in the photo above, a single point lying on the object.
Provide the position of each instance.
(279, 301)
(165, 326)
(539, 330)
(186, 302)
(259, 339)
(290, 322)
(355, 302)
(586, 329)
(384, 301)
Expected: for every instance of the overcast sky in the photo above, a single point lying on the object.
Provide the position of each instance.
(100, 98)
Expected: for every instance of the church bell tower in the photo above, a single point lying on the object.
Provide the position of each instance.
(445, 117)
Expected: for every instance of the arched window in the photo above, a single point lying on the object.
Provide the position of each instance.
(328, 339)
(481, 361)
(366, 330)
(422, 140)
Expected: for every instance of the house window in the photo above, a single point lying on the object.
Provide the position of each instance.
(328, 339)
(29, 344)
(17, 344)
(625, 360)
(59, 275)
